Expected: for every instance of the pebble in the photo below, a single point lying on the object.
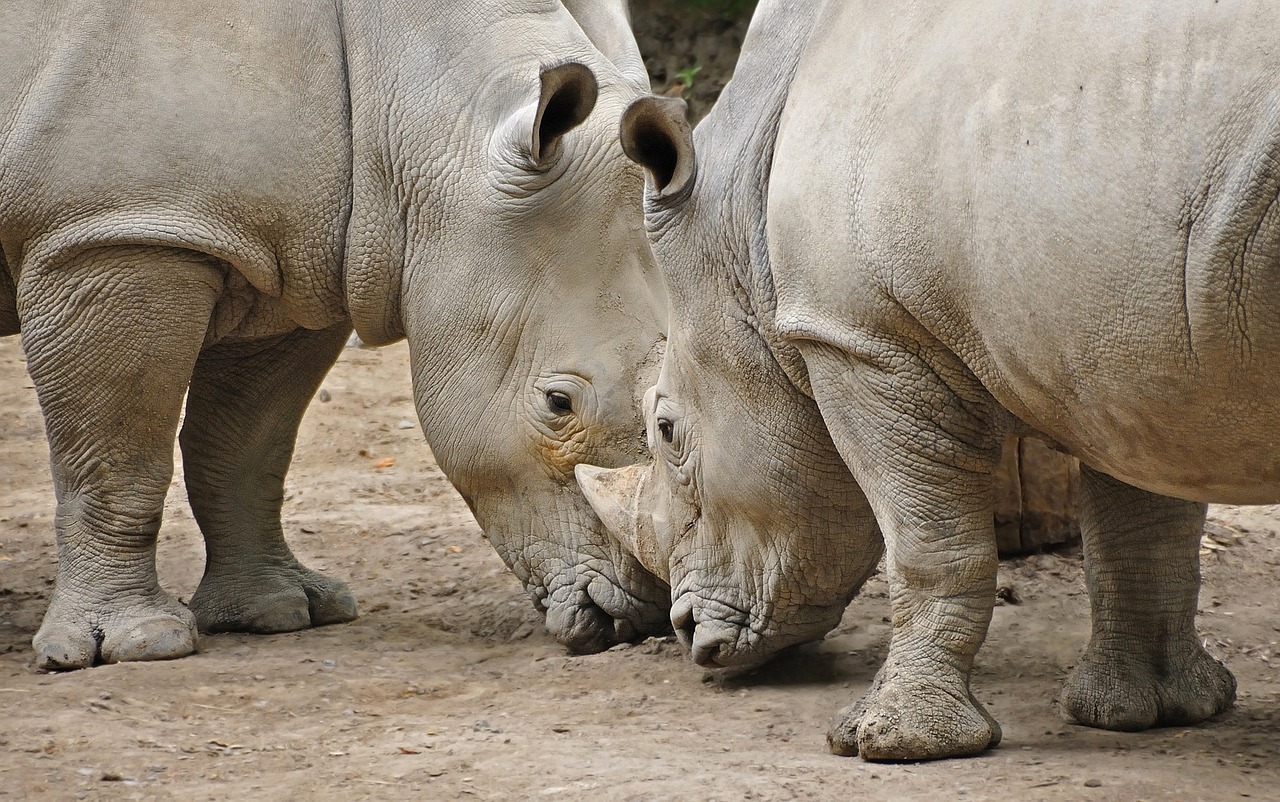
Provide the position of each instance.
(405, 424)
(324, 396)
(1093, 783)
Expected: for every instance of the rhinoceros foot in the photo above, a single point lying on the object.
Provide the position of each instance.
(913, 719)
(78, 632)
(1129, 690)
(279, 599)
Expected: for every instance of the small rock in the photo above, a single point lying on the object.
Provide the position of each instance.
(324, 396)
(1008, 594)
(405, 424)
(111, 777)
(523, 631)
(1093, 783)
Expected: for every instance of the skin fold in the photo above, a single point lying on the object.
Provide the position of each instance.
(202, 203)
(956, 222)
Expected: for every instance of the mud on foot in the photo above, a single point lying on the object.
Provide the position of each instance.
(913, 720)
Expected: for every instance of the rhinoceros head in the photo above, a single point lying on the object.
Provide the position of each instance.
(746, 508)
(526, 286)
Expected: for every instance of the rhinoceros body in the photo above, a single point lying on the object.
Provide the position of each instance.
(208, 197)
(976, 218)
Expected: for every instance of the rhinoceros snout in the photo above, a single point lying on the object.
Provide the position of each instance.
(710, 648)
(590, 612)
(581, 626)
(684, 625)
(711, 644)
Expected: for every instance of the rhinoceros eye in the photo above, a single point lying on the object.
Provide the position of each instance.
(666, 428)
(559, 403)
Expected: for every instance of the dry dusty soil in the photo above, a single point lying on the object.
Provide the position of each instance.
(447, 687)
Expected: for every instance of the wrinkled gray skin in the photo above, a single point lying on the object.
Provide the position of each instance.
(211, 198)
(709, 244)
(984, 217)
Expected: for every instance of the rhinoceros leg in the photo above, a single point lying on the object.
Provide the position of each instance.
(923, 447)
(111, 337)
(1144, 665)
(243, 411)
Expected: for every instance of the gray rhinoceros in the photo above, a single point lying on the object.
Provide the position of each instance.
(956, 221)
(202, 200)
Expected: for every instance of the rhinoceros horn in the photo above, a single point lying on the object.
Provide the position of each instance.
(615, 495)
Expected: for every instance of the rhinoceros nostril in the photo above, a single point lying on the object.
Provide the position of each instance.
(704, 651)
(711, 646)
(685, 627)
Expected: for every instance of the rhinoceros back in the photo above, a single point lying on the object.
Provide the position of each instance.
(219, 127)
(1083, 212)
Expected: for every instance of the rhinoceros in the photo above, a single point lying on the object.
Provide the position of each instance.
(202, 200)
(952, 222)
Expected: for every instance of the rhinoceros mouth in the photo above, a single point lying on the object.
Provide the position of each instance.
(718, 635)
(595, 613)
(583, 628)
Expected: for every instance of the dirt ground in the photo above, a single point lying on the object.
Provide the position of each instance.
(447, 687)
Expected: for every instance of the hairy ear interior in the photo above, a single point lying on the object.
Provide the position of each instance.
(569, 93)
(656, 135)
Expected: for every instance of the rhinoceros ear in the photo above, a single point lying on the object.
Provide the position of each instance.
(569, 93)
(614, 494)
(656, 135)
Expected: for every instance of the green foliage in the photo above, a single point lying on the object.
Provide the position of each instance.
(686, 75)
